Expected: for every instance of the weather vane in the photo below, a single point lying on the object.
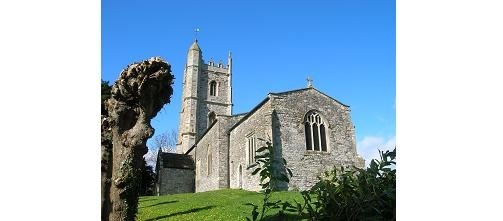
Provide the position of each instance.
(195, 33)
(309, 82)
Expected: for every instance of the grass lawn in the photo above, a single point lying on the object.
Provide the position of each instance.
(227, 204)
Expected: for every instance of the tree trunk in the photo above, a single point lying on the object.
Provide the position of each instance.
(140, 92)
(106, 166)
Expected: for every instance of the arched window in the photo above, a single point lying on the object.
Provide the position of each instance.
(211, 118)
(213, 88)
(315, 131)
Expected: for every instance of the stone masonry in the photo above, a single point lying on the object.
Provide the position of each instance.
(197, 102)
(175, 173)
(291, 108)
(220, 146)
(256, 123)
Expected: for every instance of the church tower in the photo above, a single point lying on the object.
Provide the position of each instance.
(207, 94)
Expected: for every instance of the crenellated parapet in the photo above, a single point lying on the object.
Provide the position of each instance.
(220, 64)
(215, 69)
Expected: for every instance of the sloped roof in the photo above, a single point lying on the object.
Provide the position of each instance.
(308, 88)
(201, 137)
(209, 128)
(250, 113)
(179, 161)
(279, 94)
(195, 46)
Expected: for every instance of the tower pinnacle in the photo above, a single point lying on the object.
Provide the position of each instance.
(195, 46)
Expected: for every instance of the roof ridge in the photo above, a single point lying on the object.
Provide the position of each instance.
(308, 88)
(290, 91)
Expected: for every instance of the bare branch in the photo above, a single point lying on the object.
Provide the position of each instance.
(166, 141)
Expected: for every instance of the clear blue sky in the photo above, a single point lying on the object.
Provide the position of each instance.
(347, 47)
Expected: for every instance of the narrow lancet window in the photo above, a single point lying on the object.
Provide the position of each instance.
(323, 138)
(316, 138)
(307, 127)
(251, 148)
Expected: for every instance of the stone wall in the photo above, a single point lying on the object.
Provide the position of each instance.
(221, 77)
(218, 104)
(196, 100)
(173, 180)
(207, 178)
(258, 122)
(289, 111)
(188, 123)
(280, 118)
(216, 141)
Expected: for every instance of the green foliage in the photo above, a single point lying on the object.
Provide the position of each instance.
(131, 181)
(147, 181)
(106, 92)
(272, 170)
(359, 194)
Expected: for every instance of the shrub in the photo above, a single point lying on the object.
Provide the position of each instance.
(359, 194)
(342, 194)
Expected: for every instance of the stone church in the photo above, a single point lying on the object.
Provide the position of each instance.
(310, 129)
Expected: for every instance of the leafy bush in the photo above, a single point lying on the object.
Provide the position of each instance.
(359, 194)
(342, 194)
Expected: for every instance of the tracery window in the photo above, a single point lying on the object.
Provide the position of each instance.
(213, 88)
(315, 132)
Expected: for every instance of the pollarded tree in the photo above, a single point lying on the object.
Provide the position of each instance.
(136, 97)
(106, 151)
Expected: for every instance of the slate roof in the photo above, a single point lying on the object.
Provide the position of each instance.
(179, 161)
